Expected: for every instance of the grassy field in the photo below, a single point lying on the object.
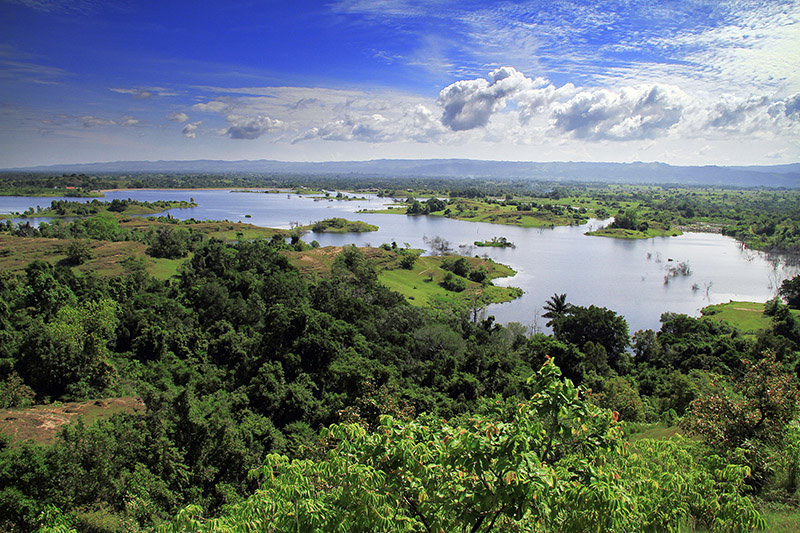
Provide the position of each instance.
(419, 285)
(225, 231)
(748, 317)
(107, 257)
(422, 284)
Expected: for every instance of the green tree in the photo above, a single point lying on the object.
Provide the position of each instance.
(556, 306)
(790, 291)
(78, 252)
(594, 324)
(748, 417)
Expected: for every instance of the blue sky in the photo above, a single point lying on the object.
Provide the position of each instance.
(683, 82)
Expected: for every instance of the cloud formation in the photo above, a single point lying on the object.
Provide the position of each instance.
(190, 130)
(504, 107)
(631, 113)
(178, 117)
(247, 127)
(469, 104)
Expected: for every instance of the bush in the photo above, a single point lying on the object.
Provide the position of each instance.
(454, 283)
(407, 261)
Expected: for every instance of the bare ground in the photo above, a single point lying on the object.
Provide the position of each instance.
(42, 423)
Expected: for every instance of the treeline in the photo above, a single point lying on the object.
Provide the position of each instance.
(93, 207)
(241, 363)
(167, 237)
(30, 184)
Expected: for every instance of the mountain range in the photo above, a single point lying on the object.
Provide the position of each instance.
(651, 173)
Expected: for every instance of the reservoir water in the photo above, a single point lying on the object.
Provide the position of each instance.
(627, 276)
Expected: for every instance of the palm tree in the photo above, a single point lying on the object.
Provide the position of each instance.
(556, 306)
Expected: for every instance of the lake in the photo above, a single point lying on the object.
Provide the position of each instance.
(627, 276)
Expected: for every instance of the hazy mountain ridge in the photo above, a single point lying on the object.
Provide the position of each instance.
(770, 176)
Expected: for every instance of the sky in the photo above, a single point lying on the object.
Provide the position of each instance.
(683, 82)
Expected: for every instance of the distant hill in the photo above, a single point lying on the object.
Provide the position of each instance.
(743, 176)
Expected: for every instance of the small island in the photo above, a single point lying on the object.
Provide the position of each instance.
(496, 242)
(340, 225)
(629, 224)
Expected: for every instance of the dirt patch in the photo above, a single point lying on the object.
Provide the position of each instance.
(42, 423)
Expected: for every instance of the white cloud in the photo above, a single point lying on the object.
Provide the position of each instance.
(178, 117)
(248, 127)
(417, 123)
(506, 107)
(631, 113)
(214, 106)
(469, 104)
(190, 130)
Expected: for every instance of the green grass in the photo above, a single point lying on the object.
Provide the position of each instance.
(165, 268)
(781, 518)
(620, 233)
(747, 317)
(422, 284)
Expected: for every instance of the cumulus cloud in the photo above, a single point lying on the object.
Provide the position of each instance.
(630, 113)
(246, 127)
(788, 108)
(190, 130)
(416, 123)
(178, 117)
(469, 104)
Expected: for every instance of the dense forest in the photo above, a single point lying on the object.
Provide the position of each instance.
(330, 403)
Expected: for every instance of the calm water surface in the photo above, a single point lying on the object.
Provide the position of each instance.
(626, 276)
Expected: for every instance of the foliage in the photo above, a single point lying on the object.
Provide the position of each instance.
(599, 325)
(554, 462)
(745, 419)
(790, 291)
(78, 252)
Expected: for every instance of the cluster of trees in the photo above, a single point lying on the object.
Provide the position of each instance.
(171, 239)
(241, 363)
(37, 184)
(415, 207)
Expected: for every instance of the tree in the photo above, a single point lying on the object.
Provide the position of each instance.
(594, 324)
(790, 291)
(78, 252)
(555, 462)
(556, 306)
(747, 417)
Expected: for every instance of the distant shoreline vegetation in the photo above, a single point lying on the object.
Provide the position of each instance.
(66, 208)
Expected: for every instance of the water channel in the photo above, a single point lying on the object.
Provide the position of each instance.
(627, 276)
